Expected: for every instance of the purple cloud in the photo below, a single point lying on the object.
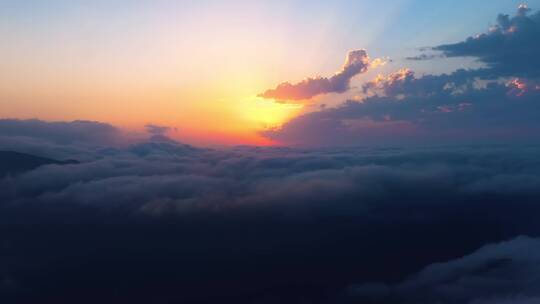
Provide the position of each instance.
(357, 62)
(495, 104)
(402, 108)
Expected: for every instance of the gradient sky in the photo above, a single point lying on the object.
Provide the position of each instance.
(198, 66)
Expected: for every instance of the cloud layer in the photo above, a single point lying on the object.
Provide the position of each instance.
(163, 222)
(61, 139)
(357, 62)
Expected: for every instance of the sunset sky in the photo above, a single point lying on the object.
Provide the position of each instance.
(269, 152)
(198, 66)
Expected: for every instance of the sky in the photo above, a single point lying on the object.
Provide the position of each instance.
(200, 67)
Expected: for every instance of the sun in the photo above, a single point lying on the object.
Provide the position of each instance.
(265, 113)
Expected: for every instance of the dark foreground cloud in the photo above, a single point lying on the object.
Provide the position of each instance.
(507, 272)
(357, 62)
(162, 222)
(510, 48)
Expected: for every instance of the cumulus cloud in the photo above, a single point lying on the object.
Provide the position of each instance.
(510, 48)
(402, 108)
(357, 62)
(422, 57)
(493, 104)
(392, 84)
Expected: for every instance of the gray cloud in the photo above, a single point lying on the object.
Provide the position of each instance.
(62, 140)
(357, 62)
(422, 57)
(157, 130)
(494, 104)
(509, 300)
(507, 272)
(510, 48)
(158, 133)
(61, 132)
(404, 109)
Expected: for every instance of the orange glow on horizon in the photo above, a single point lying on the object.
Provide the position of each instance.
(240, 123)
(210, 138)
(217, 122)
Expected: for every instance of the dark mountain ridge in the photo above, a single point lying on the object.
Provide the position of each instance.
(12, 163)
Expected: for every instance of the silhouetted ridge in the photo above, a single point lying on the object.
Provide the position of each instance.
(16, 162)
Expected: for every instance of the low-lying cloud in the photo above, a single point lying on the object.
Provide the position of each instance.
(506, 272)
(59, 139)
(164, 222)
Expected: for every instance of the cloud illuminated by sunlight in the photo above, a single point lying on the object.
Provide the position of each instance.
(378, 62)
(267, 113)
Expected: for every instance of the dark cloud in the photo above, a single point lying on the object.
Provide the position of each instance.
(163, 222)
(422, 57)
(79, 140)
(496, 103)
(402, 108)
(158, 133)
(510, 48)
(61, 132)
(59, 140)
(357, 62)
(157, 130)
(12, 163)
(507, 272)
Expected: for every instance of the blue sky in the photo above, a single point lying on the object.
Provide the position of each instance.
(385, 28)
